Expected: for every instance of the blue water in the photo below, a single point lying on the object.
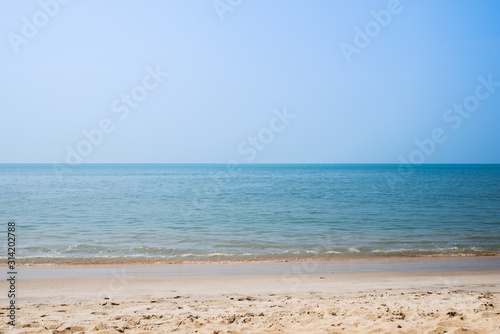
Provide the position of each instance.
(139, 213)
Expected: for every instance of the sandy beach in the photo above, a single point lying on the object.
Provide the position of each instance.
(231, 167)
(390, 302)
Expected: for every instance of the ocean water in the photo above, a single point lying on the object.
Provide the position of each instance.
(189, 213)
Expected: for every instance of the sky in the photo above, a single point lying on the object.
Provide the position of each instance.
(259, 81)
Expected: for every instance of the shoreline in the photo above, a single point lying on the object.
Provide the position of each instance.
(274, 260)
(357, 265)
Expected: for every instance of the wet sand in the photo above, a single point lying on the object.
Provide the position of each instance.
(337, 266)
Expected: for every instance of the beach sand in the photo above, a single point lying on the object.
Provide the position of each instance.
(420, 302)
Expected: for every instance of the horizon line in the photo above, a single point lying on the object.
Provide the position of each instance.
(247, 163)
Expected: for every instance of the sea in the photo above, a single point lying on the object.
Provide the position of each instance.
(190, 213)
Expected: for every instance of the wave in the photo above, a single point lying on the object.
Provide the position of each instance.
(54, 257)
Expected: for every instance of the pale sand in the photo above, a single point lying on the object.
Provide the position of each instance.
(432, 302)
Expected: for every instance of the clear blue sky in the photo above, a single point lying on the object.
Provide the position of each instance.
(227, 76)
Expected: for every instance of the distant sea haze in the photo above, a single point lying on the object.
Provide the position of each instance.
(119, 213)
